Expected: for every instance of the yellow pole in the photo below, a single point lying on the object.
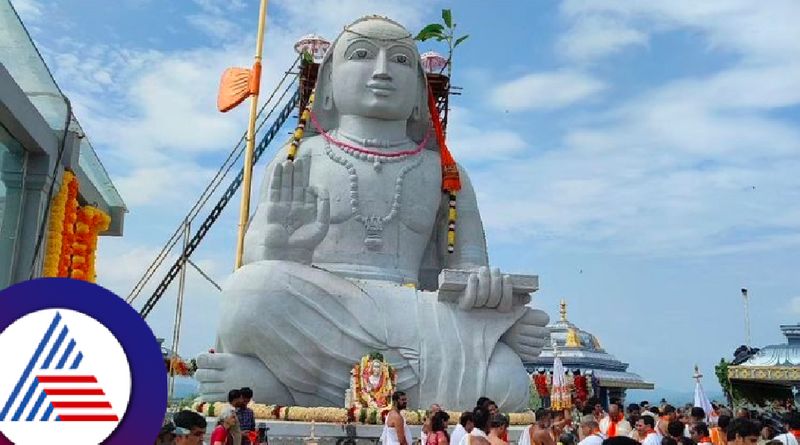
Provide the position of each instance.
(244, 209)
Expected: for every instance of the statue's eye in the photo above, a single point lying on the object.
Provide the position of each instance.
(360, 53)
(401, 58)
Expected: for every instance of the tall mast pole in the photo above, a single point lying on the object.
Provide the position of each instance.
(244, 209)
(746, 317)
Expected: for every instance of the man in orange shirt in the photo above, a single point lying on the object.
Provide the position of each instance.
(719, 436)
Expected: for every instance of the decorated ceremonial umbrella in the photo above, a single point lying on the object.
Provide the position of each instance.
(700, 398)
(561, 399)
(432, 62)
(314, 45)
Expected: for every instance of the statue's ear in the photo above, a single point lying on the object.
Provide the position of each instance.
(324, 90)
(422, 97)
(419, 121)
(324, 107)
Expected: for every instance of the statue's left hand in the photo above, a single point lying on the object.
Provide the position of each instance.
(488, 288)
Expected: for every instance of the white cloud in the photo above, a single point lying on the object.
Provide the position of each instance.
(596, 36)
(220, 19)
(694, 166)
(470, 143)
(221, 7)
(548, 90)
(683, 169)
(162, 185)
(217, 27)
(759, 31)
(327, 18)
(29, 10)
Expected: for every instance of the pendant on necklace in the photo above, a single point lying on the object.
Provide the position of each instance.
(374, 227)
(377, 165)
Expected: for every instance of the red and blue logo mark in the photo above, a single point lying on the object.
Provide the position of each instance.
(77, 365)
(62, 395)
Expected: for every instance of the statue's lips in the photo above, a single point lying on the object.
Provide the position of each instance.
(380, 89)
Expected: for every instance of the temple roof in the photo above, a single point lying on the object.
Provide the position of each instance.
(579, 349)
(777, 363)
(785, 354)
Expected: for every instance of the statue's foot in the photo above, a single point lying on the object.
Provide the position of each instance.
(528, 335)
(220, 373)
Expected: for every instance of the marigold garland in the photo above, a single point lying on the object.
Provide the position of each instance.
(55, 230)
(68, 233)
(91, 222)
(300, 130)
(72, 234)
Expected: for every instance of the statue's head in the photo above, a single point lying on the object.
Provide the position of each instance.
(373, 70)
(376, 367)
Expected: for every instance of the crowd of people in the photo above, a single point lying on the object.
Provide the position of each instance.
(591, 424)
(587, 423)
(643, 424)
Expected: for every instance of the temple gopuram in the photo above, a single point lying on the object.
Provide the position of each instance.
(582, 355)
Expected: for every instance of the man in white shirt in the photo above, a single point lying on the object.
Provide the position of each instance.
(645, 426)
(465, 425)
(614, 424)
(792, 424)
(478, 436)
(590, 433)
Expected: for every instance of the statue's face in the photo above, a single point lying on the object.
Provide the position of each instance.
(376, 368)
(372, 77)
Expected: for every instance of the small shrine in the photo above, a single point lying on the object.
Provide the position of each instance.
(590, 371)
(771, 373)
(372, 383)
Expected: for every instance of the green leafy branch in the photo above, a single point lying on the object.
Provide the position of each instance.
(443, 32)
(731, 393)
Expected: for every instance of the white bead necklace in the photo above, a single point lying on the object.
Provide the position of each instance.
(373, 224)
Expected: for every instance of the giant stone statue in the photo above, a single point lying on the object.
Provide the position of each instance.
(343, 254)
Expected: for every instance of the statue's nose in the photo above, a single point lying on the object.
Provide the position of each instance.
(381, 66)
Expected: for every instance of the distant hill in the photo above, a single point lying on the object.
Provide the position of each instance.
(674, 397)
(185, 387)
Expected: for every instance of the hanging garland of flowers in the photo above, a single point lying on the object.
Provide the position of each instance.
(72, 234)
(300, 130)
(68, 229)
(55, 229)
(91, 221)
(79, 264)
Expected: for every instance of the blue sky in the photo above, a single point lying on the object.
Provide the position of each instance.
(640, 157)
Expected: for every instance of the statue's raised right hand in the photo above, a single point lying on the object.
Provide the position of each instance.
(298, 215)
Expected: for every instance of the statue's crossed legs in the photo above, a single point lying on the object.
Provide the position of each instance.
(293, 332)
